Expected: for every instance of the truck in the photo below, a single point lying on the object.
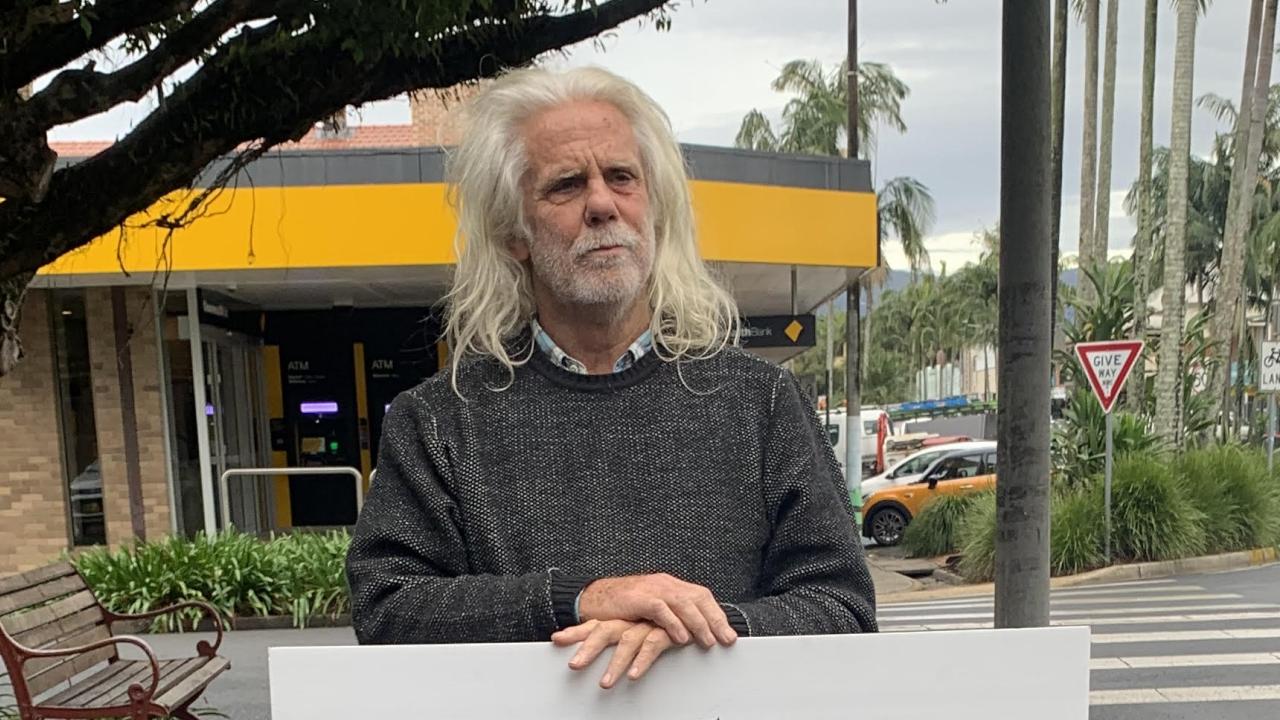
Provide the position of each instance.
(875, 426)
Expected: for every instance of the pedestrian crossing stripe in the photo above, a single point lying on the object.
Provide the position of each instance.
(1184, 636)
(1176, 661)
(1150, 620)
(894, 609)
(1148, 696)
(1088, 612)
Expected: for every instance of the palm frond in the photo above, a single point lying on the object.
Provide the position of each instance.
(756, 133)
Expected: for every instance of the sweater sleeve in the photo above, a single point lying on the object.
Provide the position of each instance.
(408, 567)
(814, 578)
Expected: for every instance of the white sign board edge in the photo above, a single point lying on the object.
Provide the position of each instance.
(1269, 377)
(960, 675)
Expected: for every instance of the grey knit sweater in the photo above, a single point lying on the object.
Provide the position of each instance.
(489, 515)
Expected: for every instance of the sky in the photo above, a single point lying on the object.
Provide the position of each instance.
(716, 63)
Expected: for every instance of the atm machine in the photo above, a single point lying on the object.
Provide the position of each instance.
(323, 436)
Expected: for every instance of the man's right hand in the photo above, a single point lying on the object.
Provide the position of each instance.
(685, 610)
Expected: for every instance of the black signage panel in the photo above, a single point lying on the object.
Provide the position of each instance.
(765, 331)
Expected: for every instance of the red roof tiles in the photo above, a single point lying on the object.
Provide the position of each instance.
(360, 136)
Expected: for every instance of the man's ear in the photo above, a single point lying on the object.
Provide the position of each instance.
(519, 248)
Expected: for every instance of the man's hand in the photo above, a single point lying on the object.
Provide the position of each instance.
(638, 645)
(683, 609)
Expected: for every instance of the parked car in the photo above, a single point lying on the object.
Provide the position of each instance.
(914, 467)
(886, 514)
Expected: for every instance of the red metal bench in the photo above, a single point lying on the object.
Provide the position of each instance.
(63, 659)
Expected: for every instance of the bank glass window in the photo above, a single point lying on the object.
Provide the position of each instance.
(81, 464)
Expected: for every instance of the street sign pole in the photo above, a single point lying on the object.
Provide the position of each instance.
(1269, 383)
(1106, 365)
(1107, 487)
(1271, 433)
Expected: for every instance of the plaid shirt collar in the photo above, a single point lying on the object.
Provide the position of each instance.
(637, 350)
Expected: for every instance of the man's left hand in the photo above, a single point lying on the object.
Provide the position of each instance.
(638, 646)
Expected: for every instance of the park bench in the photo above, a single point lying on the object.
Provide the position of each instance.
(62, 654)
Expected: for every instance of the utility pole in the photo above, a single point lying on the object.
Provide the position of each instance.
(853, 319)
(1022, 492)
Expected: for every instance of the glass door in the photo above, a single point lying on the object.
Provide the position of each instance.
(235, 410)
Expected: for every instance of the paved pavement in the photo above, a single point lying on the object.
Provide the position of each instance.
(1204, 646)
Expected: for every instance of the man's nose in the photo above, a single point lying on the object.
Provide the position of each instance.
(601, 208)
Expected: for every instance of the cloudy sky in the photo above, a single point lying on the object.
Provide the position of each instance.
(719, 57)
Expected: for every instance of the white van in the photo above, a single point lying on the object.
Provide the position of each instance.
(870, 422)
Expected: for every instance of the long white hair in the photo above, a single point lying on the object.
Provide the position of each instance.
(491, 301)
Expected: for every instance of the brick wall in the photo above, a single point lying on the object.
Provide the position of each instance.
(148, 408)
(33, 513)
(434, 118)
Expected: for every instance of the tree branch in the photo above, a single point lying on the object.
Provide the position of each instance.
(77, 93)
(52, 47)
(279, 99)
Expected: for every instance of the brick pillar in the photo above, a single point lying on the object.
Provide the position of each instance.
(149, 414)
(33, 505)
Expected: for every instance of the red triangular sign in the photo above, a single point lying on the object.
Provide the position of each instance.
(1107, 365)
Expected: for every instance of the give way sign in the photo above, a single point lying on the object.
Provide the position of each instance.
(1107, 365)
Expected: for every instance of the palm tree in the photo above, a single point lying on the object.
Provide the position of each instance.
(1168, 416)
(1102, 223)
(814, 119)
(1089, 142)
(1246, 147)
(1142, 241)
(1058, 98)
(814, 122)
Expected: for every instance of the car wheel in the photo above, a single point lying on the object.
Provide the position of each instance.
(887, 526)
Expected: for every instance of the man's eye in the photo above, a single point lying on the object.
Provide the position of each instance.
(565, 185)
(622, 176)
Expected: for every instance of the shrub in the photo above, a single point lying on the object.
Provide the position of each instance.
(1240, 501)
(239, 575)
(1076, 530)
(1152, 517)
(936, 530)
(1080, 440)
(978, 539)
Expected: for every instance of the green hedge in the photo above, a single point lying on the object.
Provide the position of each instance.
(299, 574)
(936, 531)
(1210, 501)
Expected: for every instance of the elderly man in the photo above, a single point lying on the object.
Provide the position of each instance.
(600, 466)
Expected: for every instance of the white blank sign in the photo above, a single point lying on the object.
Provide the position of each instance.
(967, 675)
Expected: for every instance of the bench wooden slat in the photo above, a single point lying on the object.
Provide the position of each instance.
(45, 636)
(120, 694)
(37, 594)
(194, 684)
(40, 575)
(136, 671)
(20, 625)
(67, 670)
(83, 637)
(68, 697)
(170, 677)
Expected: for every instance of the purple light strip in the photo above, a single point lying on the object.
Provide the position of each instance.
(316, 408)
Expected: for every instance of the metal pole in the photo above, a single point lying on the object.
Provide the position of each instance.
(853, 404)
(1271, 432)
(202, 421)
(852, 81)
(831, 342)
(1107, 487)
(1022, 493)
(853, 320)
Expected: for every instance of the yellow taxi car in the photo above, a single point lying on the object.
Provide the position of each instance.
(885, 514)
